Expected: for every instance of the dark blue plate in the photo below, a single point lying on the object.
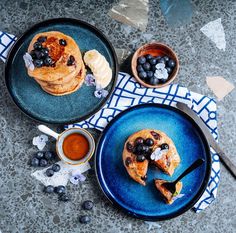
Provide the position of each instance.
(36, 103)
(144, 201)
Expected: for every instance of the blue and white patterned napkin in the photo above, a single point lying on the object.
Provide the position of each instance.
(129, 93)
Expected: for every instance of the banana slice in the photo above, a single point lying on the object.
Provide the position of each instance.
(99, 66)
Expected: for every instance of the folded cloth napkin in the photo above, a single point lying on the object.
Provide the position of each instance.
(129, 93)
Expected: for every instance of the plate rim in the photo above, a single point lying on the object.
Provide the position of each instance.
(195, 198)
(19, 41)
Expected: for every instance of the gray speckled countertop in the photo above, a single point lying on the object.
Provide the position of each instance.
(23, 206)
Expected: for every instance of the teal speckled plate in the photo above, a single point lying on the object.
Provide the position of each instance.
(36, 103)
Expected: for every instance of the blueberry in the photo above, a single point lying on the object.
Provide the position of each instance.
(42, 39)
(56, 167)
(34, 162)
(35, 54)
(140, 68)
(145, 149)
(162, 80)
(64, 197)
(153, 68)
(39, 155)
(164, 146)
(140, 158)
(144, 177)
(47, 61)
(169, 70)
(153, 61)
(146, 66)
(129, 147)
(49, 172)
(62, 42)
(71, 61)
(154, 81)
(43, 162)
(171, 63)
(149, 56)
(128, 161)
(139, 149)
(60, 189)
(84, 219)
(37, 45)
(142, 75)
(138, 140)
(149, 142)
(141, 60)
(87, 205)
(150, 74)
(38, 63)
(166, 58)
(49, 155)
(49, 189)
(44, 52)
(161, 60)
(158, 58)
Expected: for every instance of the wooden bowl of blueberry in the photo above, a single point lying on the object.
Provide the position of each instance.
(155, 65)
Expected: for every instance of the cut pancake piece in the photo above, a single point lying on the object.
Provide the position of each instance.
(166, 194)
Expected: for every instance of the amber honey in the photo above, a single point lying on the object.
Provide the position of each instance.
(75, 146)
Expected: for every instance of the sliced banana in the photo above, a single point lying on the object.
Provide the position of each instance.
(99, 66)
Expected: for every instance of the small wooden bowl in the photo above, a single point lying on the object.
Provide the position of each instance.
(155, 49)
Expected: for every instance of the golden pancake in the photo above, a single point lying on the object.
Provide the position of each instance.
(60, 54)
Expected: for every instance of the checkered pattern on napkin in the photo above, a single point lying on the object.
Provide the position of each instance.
(129, 93)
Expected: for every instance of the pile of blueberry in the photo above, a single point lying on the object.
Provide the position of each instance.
(142, 148)
(155, 70)
(87, 205)
(60, 190)
(42, 159)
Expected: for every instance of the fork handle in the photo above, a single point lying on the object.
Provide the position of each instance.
(196, 164)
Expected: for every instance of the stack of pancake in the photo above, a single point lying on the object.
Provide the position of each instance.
(64, 72)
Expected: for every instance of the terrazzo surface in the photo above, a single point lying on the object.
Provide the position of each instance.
(23, 206)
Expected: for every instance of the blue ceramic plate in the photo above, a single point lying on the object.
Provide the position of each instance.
(144, 201)
(36, 103)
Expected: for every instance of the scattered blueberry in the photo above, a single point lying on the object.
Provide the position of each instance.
(139, 149)
(149, 142)
(38, 63)
(129, 147)
(84, 219)
(153, 61)
(42, 39)
(34, 162)
(169, 70)
(153, 68)
(162, 80)
(149, 56)
(87, 205)
(49, 172)
(164, 146)
(44, 52)
(43, 162)
(154, 81)
(71, 61)
(37, 45)
(60, 189)
(56, 167)
(62, 42)
(166, 58)
(144, 177)
(39, 155)
(49, 155)
(141, 60)
(142, 75)
(140, 68)
(157, 136)
(128, 161)
(49, 189)
(171, 63)
(140, 158)
(64, 197)
(146, 66)
(150, 74)
(158, 58)
(138, 140)
(145, 149)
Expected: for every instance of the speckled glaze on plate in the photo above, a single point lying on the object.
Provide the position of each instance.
(36, 103)
(144, 201)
